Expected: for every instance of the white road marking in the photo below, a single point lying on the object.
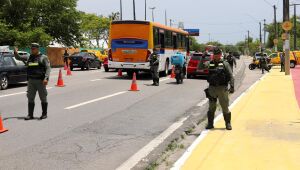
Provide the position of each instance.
(95, 100)
(96, 80)
(14, 94)
(203, 102)
(133, 160)
(180, 162)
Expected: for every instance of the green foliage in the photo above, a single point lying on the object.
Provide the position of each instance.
(42, 21)
(94, 27)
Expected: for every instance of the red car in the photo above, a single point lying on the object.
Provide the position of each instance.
(198, 59)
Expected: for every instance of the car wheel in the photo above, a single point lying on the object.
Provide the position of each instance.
(99, 66)
(189, 76)
(3, 82)
(292, 64)
(88, 67)
(82, 68)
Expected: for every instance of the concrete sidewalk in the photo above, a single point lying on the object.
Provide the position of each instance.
(265, 135)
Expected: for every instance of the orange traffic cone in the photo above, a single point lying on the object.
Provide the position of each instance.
(134, 85)
(69, 73)
(60, 81)
(173, 73)
(120, 73)
(2, 129)
(65, 67)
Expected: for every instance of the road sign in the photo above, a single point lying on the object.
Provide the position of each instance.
(284, 36)
(287, 26)
(275, 41)
(193, 32)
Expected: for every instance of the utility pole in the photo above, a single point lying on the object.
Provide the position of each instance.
(166, 19)
(264, 33)
(134, 18)
(153, 8)
(209, 40)
(295, 27)
(145, 10)
(170, 22)
(248, 42)
(275, 28)
(121, 11)
(260, 37)
(286, 17)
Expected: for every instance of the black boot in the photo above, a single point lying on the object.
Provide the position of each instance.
(30, 111)
(210, 118)
(44, 108)
(227, 118)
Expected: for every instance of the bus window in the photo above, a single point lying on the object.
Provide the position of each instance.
(156, 36)
(162, 38)
(168, 39)
(175, 41)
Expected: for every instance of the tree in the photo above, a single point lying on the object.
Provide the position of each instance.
(60, 19)
(95, 28)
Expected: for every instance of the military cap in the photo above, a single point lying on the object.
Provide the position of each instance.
(35, 45)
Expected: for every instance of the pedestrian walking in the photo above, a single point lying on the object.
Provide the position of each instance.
(38, 72)
(231, 60)
(220, 75)
(263, 64)
(66, 57)
(282, 58)
(154, 67)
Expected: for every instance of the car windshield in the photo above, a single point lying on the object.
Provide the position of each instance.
(196, 57)
(79, 54)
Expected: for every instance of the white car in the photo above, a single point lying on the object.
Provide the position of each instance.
(23, 54)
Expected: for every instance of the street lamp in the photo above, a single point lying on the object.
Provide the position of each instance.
(121, 12)
(145, 10)
(153, 8)
(134, 18)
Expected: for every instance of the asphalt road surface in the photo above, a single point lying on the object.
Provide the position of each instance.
(94, 122)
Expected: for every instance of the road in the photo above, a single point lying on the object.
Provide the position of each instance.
(94, 121)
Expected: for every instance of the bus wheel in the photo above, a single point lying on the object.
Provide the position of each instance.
(166, 72)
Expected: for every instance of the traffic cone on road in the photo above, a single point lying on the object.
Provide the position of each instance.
(69, 73)
(134, 85)
(120, 73)
(2, 129)
(60, 81)
(65, 67)
(173, 72)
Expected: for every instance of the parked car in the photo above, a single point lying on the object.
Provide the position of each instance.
(84, 60)
(12, 71)
(275, 59)
(198, 59)
(237, 55)
(23, 54)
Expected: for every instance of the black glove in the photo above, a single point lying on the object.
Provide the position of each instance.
(231, 90)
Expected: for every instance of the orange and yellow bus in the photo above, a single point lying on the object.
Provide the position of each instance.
(132, 42)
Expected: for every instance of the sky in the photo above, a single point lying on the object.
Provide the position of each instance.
(226, 21)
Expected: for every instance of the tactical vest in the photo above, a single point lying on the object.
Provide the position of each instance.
(35, 67)
(217, 74)
(154, 58)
